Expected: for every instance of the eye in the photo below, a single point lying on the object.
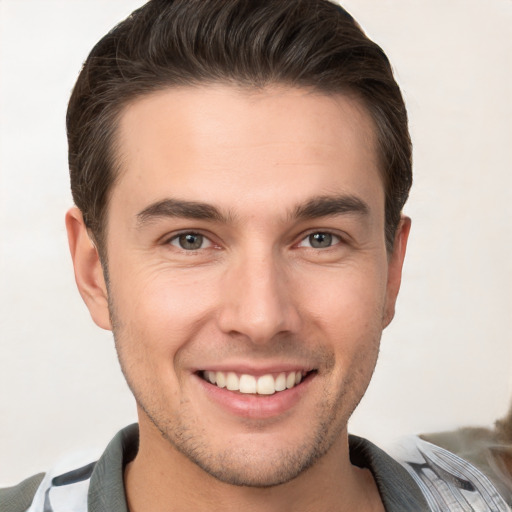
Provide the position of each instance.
(190, 241)
(320, 240)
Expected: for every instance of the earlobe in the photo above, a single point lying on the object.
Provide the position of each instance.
(88, 271)
(395, 265)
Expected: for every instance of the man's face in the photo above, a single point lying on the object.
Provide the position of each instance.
(246, 249)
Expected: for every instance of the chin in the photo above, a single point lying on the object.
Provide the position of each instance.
(262, 469)
(254, 459)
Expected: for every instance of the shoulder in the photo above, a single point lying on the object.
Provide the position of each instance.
(398, 490)
(19, 497)
(447, 481)
(79, 482)
(62, 488)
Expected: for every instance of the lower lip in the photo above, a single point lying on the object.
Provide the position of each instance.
(256, 406)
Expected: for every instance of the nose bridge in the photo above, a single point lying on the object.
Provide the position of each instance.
(258, 300)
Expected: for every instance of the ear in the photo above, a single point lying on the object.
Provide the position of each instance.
(88, 271)
(395, 264)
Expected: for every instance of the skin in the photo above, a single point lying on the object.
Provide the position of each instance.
(256, 296)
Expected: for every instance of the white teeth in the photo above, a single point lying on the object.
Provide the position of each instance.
(220, 379)
(232, 382)
(266, 385)
(281, 382)
(249, 384)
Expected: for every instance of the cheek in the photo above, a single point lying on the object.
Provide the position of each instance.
(157, 313)
(163, 296)
(345, 309)
(347, 299)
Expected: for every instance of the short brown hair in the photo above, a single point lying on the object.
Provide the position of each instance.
(301, 43)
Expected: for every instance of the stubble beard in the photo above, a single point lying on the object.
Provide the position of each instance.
(240, 465)
(243, 466)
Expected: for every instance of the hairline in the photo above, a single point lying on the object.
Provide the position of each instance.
(99, 233)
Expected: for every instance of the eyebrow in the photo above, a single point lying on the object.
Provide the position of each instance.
(325, 206)
(321, 206)
(180, 209)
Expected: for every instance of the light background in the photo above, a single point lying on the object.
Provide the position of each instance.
(446, 361)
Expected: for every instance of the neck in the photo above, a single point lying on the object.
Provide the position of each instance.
(161, 478)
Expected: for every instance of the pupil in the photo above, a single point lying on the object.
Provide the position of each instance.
(320, 240)
(191, 241)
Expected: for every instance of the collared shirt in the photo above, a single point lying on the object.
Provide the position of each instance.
(404, 486)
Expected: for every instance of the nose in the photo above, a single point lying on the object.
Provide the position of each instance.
(258, 301)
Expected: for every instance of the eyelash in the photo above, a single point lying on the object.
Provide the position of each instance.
(332, 238)
(184, 234)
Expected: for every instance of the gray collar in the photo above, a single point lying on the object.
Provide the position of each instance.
(398, 490)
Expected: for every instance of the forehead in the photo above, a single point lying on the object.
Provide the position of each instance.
(220, 144)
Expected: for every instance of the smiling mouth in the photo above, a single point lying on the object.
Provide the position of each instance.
(268, 384)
